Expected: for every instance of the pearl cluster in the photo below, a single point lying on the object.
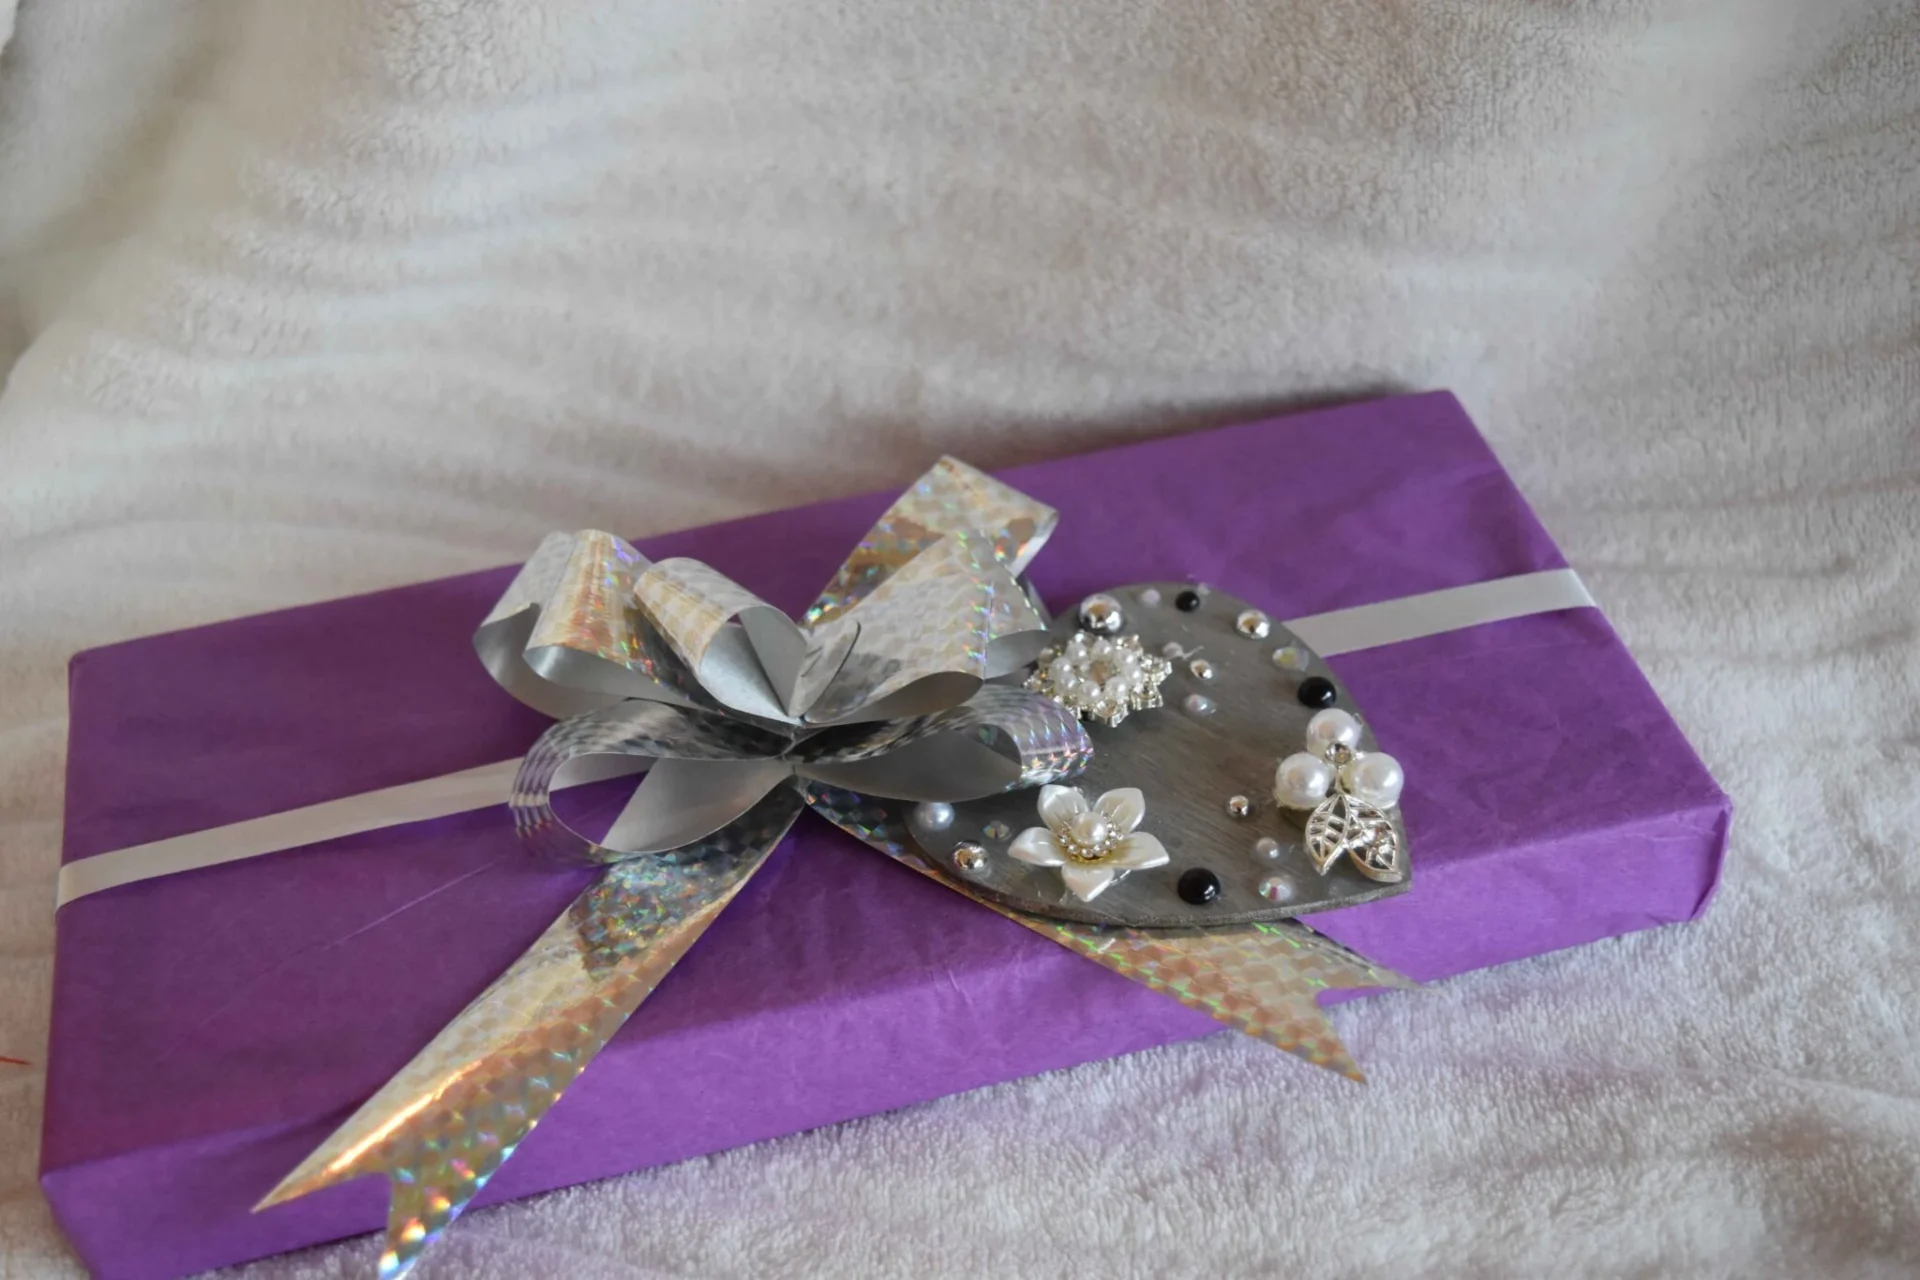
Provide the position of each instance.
(1332, 760)
(1290, 658)
(1100, 677)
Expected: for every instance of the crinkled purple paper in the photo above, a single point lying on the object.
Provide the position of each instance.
(211, 1028)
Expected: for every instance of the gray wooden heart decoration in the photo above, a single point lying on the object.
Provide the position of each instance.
(1195, 722)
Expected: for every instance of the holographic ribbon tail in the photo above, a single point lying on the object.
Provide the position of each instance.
(454, 1114)
(1261, 979)
(442, 1127)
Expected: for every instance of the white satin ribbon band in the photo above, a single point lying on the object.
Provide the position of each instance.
(1342, 631)
(439, 797)
(1371, 626)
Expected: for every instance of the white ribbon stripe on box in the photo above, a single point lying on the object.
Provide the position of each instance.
(1329, 634)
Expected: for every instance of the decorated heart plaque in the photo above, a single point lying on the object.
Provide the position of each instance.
(1226, 743)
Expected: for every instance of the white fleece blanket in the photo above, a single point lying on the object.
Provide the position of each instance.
(300, 299)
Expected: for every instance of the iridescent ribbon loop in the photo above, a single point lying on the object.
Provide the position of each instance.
(927, 608)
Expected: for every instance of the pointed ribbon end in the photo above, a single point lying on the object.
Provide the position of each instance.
(311, 1176)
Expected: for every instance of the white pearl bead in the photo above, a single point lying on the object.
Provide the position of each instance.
(1090, 829)
(1101, 648)
(1375, 778)
(1117, 688)
(1330, 727)
(1060, 671)
(933, 815)
(1302, 781)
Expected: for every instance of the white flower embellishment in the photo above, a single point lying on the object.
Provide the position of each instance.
(1093, 847)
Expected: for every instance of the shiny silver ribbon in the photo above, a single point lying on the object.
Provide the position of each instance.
(880, 687)
(739, 717)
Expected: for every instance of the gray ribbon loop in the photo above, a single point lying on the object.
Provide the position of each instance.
(1000, 739)
(643, 733)
(568, 636)
(952, 498)
(941, 625)
(744, 652)
(706, 771)
(681, 801)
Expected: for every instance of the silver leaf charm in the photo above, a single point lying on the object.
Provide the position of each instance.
(1343, 825)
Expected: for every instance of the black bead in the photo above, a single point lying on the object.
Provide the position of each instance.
(1187, 601)
(1317, 691)
(1199, 886)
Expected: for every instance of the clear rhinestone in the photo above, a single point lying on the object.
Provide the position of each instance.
(996, 830)
(1201, 668)
(1239, 806)
(1276, 889)
(1290, 658)
(1151, 596)
(1253, 624)
(970, 857)
(1198, 704)
(1101, 614)
(1267, 849)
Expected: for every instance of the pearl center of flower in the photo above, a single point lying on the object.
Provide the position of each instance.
(1089, 837)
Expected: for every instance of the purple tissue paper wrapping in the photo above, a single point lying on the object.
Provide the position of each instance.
(210, 1028)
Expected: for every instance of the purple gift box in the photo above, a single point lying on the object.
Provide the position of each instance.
(210, 1028)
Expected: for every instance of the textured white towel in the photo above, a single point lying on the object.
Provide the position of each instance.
(310, 297)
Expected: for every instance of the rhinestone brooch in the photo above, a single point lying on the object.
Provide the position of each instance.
(1105, 679)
